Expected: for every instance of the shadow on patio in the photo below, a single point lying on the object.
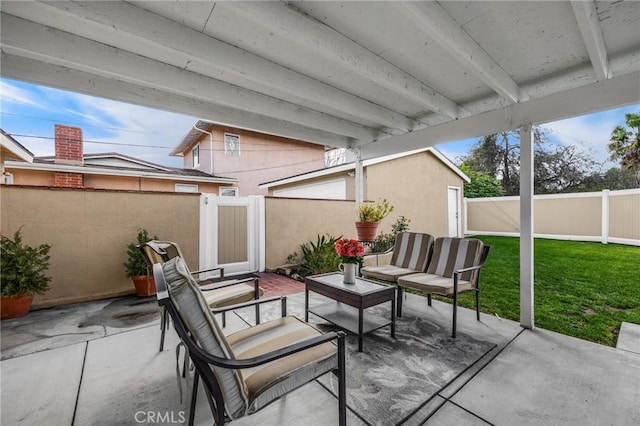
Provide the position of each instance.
(98, 363)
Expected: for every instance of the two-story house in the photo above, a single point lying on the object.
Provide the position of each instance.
(248, 156)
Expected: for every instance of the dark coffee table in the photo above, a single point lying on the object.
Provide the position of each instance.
(361, 295)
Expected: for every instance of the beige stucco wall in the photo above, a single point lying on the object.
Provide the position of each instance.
(263, 158)
(417, 186)
(291, 222)
(89, 231)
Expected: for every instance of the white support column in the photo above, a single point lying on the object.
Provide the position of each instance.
(359, 177)
(465, 210)
(526, 227)
(605, 216)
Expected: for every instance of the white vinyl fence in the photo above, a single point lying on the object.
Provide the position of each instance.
(606, 216)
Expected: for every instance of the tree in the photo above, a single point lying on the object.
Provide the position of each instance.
(624, 145)
(615, 178)
(557, 168)
(497, 156)
(481, 185)
(563, 170)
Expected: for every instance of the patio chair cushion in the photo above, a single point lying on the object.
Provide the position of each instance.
(198, 319)
(431, 283)
(268, 382)
(411, 253)
(226, 296)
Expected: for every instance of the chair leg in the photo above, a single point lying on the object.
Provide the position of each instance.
(342, 383)
(429, 299)
(455, 309)
(478, 304)
(256, 296)
(194, 397)
(224, 319)
(164, 323)
(399, 302)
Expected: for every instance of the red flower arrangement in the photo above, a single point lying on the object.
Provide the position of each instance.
(350, 251)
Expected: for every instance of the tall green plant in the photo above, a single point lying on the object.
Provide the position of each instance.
(135, 264)
(23, 266)
(319, 257)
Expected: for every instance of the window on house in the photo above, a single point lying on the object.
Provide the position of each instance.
(195, 156)
(229, 191)
(183, 187)
(335, 157)
(232, 145)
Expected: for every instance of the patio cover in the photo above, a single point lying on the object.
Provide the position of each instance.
(378, 77)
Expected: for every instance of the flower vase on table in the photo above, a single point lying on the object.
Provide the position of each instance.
(350, 252)
(349, 272)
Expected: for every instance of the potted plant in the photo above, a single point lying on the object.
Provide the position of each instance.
(136, 267)
(22, 274)
(369, 215)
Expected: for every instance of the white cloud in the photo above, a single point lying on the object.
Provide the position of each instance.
(590, 132)
(16, 95)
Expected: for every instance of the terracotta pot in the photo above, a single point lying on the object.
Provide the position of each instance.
(16, 306)
(145, 285)
(367, 231)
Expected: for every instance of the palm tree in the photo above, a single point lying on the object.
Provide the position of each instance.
(625, 145)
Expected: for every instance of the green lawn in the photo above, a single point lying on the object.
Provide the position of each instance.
(582, 289)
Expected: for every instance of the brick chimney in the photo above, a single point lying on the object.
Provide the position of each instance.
(69, 152)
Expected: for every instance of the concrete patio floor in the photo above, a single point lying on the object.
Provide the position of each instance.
(98, 364)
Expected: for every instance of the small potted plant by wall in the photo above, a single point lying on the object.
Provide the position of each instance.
(136, 267)
(369, 215)
(22, 274)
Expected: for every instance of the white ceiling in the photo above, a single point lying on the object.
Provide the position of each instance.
(385, 77)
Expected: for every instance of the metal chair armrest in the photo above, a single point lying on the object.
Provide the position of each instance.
(202, 271)
(222, 284)
(269, 356)
(282, 299)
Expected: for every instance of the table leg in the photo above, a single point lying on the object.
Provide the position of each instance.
(360, 328)
(393, 316)
(306, 305)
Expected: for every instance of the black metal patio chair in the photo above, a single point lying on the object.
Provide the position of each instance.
(247, 370)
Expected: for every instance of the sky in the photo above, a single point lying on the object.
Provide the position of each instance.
(29, 112)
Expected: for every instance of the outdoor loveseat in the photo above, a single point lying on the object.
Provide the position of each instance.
(452, 267)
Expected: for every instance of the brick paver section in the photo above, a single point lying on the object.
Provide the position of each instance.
(278, 285)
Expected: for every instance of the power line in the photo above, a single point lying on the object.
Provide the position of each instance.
(95, 142)
(165, 147)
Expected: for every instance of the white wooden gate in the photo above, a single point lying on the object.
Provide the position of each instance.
(232, 233)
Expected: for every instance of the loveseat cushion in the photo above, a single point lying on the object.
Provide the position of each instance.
(431, 283)
(389, 273)
(451, 254)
